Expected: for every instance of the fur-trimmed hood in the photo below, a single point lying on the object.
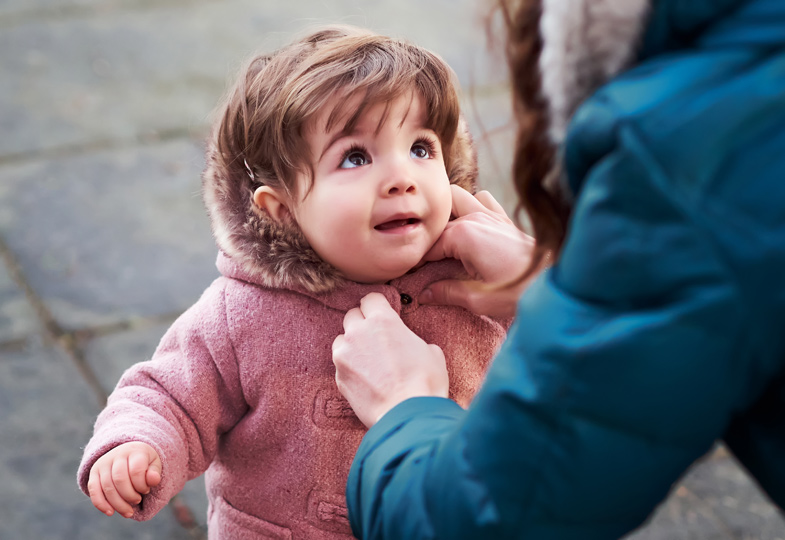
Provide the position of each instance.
(278, 255)
(585, 43)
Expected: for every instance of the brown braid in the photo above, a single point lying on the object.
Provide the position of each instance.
(534, 154)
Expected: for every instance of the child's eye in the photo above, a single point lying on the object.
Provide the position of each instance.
(354, 157)
(422, 149)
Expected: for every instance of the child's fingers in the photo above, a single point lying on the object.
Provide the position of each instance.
(155, 467)
(103, 469)
(137, 469)
(97, 493)
(153, 477)
(122, 493)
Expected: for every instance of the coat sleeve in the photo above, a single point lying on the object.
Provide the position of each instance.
(626, 362)
(179, 402)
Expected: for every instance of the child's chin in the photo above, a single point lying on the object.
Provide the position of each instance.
(390, 274)
(383, 273)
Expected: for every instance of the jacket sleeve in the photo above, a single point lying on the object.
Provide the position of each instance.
(627, 360)
(179, 402)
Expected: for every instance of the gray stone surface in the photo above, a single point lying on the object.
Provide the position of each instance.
(130, 69)
(103, 107)
(715, 500)
(108, 235)
(194, 495)
(111, 354)
(17, 317)
(46, 415)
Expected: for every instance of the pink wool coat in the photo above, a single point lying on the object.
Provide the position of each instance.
(242, 386)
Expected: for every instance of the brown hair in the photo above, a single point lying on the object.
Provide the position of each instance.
(263, 120)
(535, 154)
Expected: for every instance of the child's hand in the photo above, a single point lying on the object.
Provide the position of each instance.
(121, 476)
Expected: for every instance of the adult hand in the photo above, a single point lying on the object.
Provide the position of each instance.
(379, 362)
(120, 477)
(493, 251)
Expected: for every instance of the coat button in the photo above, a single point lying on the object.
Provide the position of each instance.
(405, 299)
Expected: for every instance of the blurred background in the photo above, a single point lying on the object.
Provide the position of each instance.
(104, 241)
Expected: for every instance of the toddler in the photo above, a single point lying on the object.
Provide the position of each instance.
(328, 177)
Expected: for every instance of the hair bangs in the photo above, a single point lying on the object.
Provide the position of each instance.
(342, 70)
(359, 72)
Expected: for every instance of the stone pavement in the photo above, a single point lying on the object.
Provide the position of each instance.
(103, 239)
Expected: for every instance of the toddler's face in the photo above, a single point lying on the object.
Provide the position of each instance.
(380, 196)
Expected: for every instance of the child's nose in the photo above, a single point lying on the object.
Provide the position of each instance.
(399, 181)
(400, 187)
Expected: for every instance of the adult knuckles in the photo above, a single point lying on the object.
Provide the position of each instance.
(473, 300)
(381, 316)
(435, 348)
(457, 293)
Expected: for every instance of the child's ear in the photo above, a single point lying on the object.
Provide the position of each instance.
(272, 202)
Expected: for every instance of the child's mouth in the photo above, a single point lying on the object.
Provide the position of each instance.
(396, 224)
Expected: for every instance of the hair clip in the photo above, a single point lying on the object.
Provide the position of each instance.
(250, 171)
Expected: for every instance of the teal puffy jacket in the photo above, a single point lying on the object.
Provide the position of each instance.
(660, 330)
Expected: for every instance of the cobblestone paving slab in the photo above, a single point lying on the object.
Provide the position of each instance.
(46, 415)
(134, 68)
(111, 354)
(195, 496)
(111, 235)
(17, 317)
(716, 500)
(107, 102)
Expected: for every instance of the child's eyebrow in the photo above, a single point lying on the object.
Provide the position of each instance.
(337, 136)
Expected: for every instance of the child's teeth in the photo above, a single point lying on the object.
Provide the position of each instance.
(394, 224)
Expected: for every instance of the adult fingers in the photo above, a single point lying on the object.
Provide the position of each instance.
(352, 317)
(464, 203)
(474, 296)
(468, 239)
(436, 350)
(337, 344)
(489, 202)
(375, 305)
(450, 292)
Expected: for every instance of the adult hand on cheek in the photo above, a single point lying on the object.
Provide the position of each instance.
(493, 251)
(379, 362)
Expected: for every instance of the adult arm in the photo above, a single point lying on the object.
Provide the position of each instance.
(658, 329)
(621, 369)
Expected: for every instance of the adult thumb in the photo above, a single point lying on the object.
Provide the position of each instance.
(449, 292)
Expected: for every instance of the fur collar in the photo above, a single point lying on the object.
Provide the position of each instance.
(585, 43)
